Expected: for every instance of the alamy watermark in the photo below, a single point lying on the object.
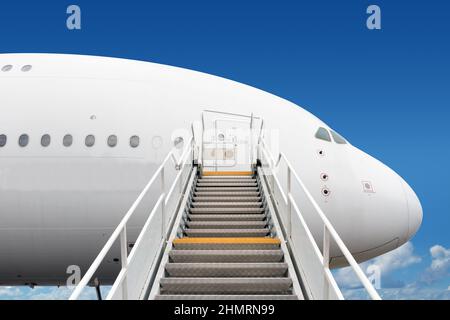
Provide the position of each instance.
(373, 272)
(374, 20)
(73, 21)
(74, 277)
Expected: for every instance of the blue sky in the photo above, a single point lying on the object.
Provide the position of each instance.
(387, 91)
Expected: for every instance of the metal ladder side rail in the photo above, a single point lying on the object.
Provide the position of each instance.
(186, 196)
(184, 204)
(292, 273)
(120, 233)
(329, 284)
(267, 208)
(179, 224)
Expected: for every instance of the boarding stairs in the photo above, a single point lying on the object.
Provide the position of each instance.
(227, 246)
(215, 233)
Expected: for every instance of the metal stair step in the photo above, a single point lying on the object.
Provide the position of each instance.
(226, 199)
(226, 285)
(211, 204)
(207, 270)
(227, 246)
(263, 232)
(226, 224)
(215, 180)
(226, 193)
(228, 297)
(240, 243)
(180, 256)
(226, 184)
(226, 217)
(206, 177)
(232, 189)
(226, 210)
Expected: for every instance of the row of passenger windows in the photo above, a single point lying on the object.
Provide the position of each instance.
(323, 134)
(67, 140)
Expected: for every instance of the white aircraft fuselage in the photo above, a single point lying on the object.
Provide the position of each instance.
(60, 201)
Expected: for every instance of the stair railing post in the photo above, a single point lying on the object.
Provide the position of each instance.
(124, 260)
(289, 204)
(251, 140)
(326, 261)
(163, 205)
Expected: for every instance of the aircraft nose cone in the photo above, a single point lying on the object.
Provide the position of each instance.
(415, 212)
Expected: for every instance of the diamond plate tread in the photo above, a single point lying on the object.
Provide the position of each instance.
(242, 270)
(226, 184)
(230, 204)
(228, 297)
(227, 174)
(226, 224)
(226, 285)
(215, 180)
(219, 180)
(226, 210)
(227, 194)
(226, 217)
(226, 246)
(232, 189)
(228, 240)
(226, 179)
(183, 256)
(227, 232)
(226, 199)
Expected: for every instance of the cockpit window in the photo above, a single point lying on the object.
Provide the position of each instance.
(338, 138)
(323, 134)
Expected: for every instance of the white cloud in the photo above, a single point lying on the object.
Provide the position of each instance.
(440, 264)
(9, 292)
(407, 293)
(46, 293)
(397, 259)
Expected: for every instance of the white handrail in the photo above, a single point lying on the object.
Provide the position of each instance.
(329, 230)
(120, 230)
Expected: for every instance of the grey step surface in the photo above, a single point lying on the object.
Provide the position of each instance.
(227, 177)
(226, 224)
(184, 256)
(226, 210)
(226, 217)
(226, 246)
(201, 180)
(227, 184)
(210, 204)
(228, 297)
(221, 233)
(228, 189)
(208, 270)
(227, 194)
(226, 199)
(226, 285)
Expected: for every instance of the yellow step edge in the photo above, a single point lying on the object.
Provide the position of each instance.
(189, 240)
(227, 173)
